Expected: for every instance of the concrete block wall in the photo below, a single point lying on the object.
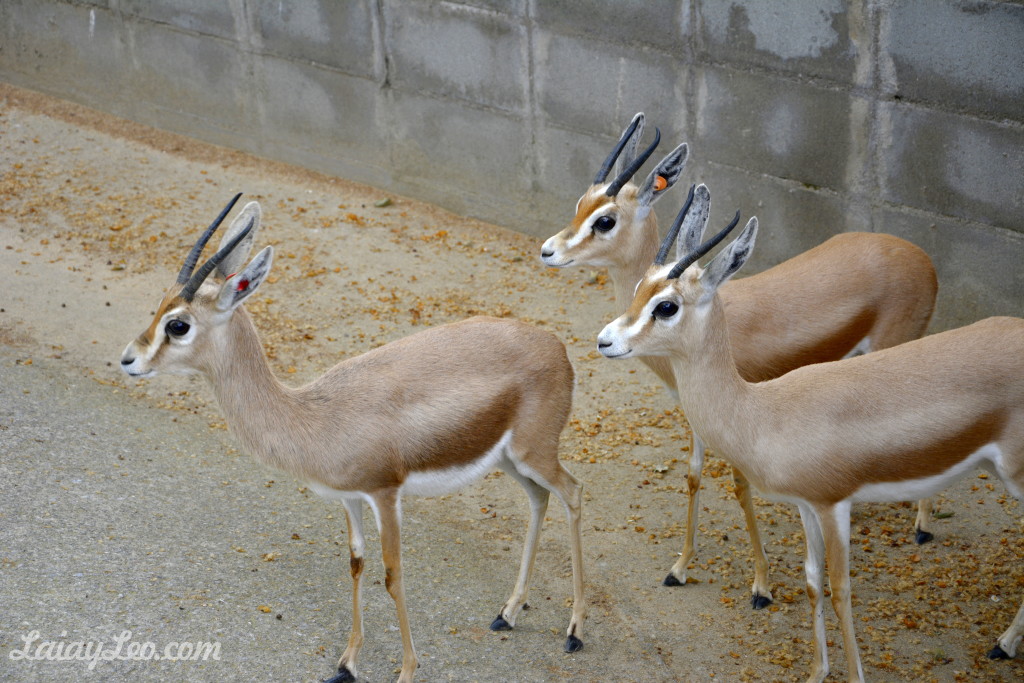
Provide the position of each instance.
(820, 116)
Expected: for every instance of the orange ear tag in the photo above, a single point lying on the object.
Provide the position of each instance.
(660, 183)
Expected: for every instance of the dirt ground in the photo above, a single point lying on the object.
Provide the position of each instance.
(126, 506)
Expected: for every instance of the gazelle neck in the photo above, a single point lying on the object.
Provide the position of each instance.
(725, 417)
(634, 262)
(628, 271)
(268, 418)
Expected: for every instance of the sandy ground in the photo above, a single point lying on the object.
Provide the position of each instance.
(126, 506)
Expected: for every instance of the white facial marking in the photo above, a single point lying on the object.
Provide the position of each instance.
(588, 225)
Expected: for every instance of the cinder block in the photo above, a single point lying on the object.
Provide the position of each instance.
(789, 36)
(513, 8)
(323, 119)
(459, 52)
(597, 88)
(978, 265)
(791, 219)
(953, 165)
(474, 162)
(662, 24)
(779, 127)
(337, 34)
(962, 55)
(193, 85)
(75, 52)
(198, 16)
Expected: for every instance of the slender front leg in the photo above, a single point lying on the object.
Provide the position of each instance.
(570, 492)
(389, 516)
(1006, 647)
(539, 497)
(677, 575)
(356, 546)
(814, 574)
(761, 595)
(835, 521)
(924, 516)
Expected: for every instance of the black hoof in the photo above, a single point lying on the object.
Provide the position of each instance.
(922, 537)
(998, 653)
(760, 601)
(500, 624)
(671, 580)
(573, 644)
(343, 676)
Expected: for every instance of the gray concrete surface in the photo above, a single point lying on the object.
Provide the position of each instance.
(126, 506)
(823, 116)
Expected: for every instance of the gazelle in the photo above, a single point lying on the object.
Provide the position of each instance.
(427, 414)
(903, 421)
(854, 293)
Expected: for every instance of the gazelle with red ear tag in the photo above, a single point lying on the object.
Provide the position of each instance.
(427, 414)
(866, 291)
(900, 422)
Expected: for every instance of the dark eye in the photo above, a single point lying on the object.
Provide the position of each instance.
(604, 223)
(177, 328)
(666, 309)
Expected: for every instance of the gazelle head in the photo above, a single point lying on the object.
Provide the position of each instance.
(608, 213)
(670, 301)
(195, 310)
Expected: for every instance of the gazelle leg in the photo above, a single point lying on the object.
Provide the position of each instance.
(570, 492)
(835, 522)
(814, 571)
(1006, 647)
(389, 517)
(538, 496)
(924, 515)
(356, 546)
(677, 575)
(761, 595)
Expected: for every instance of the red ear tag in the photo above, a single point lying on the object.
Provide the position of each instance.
(660, 183)
(242, 284)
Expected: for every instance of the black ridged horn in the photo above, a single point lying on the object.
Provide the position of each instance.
(193, 256)
(197, 279)
(606, 167)
(673, 231)
(624, 177)
(703, 249)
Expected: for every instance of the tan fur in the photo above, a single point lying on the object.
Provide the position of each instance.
(822, 433)
(439, 399)
(815, 307)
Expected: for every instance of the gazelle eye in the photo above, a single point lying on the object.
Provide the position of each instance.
(604, 223)
(177, 328)
(666, 309)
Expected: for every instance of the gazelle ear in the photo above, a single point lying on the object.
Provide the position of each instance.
(239, 286)
(729, 260)
(695, 223)
(664, 176)
(233, 261)
(629, 151)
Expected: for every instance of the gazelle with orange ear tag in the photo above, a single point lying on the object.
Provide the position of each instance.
(854, 293)
(427, 414)
(900, 422)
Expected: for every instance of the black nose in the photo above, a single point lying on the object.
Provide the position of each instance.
(127, 361)
(603, 345)
(545, 254)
